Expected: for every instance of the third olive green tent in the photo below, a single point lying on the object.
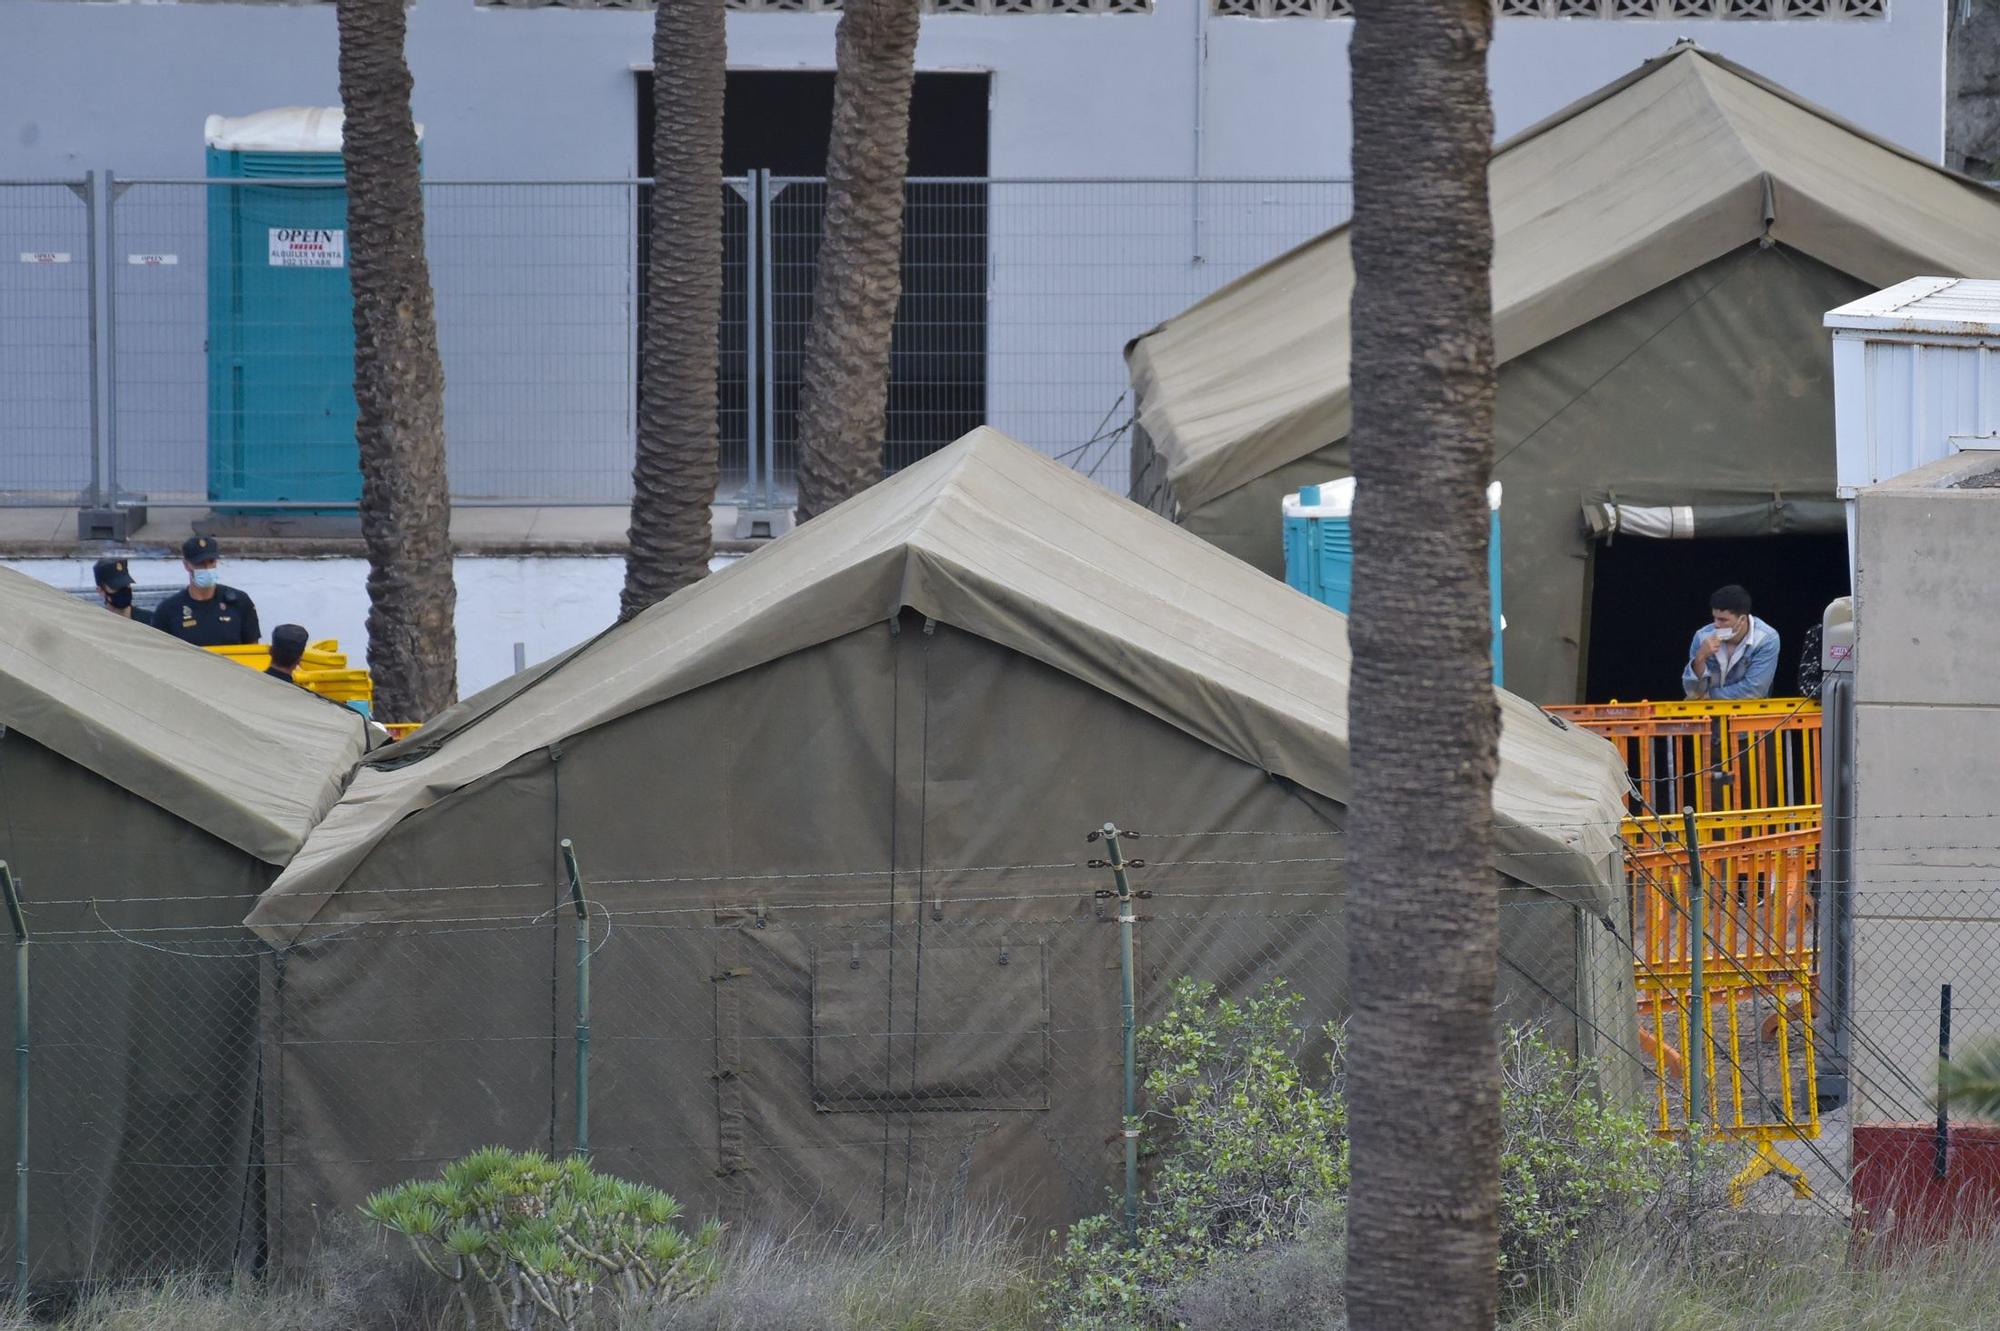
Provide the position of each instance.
(1665, 250)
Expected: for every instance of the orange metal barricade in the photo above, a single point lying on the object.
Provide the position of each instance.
(1712, 756)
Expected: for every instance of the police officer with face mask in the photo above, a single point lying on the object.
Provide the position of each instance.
(207, 614)
(114, 584)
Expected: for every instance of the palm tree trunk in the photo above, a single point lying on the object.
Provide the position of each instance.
(674, 470)
(398, 377)
(1423, 905)
(844, 390)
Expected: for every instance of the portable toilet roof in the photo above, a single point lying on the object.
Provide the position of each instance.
(284, 129)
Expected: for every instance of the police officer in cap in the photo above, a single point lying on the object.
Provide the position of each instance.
(114, 584)
(288, 646)
(207, 614)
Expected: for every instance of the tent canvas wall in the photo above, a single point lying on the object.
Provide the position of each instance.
(148, 792)
(1664, 252)
(832, 805)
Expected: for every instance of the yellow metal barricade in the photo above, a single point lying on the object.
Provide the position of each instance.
(1759, 971)
(1751, 772)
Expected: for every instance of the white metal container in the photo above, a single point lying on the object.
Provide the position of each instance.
(1916, 377)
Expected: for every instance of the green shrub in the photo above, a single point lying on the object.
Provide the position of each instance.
(545, 1240)
(1570, 1164)
(1251, 1157)
(1254, 1151)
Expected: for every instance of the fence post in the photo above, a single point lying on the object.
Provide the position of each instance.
(95, 499)
(1697, 1000)
(1941, 1148)
(21, 1101)
(754, 331)
(1115, 858)
(114, 488)
(768, 271)
(582, 997)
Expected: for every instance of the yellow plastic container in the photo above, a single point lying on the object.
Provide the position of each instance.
(323, 669)
(324, 655)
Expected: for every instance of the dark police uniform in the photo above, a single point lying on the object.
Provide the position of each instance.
(226, 619)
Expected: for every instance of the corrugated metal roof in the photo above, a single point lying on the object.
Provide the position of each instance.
(1956, 306)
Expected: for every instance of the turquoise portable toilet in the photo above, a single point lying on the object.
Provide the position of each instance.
(280, 314)
(1319, 551)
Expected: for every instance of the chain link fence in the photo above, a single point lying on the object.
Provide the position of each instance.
(849, 1051)
(223, 337)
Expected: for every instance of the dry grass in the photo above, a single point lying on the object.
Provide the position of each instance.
(357, 1282)
(1739, 1274)
(957, 1274)
(1797, 1280)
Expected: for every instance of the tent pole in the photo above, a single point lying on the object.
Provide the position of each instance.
(1129, 1016)
(582, 998)
(20, 926)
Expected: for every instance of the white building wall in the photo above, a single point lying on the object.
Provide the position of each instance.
(549, 94)
(535, 304)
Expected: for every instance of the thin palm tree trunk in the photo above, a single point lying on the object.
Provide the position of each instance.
(844, 392)
(398, 376)
(1423, 904)
(674, 470)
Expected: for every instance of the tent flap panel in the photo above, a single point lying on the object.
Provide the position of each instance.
(977, 1034)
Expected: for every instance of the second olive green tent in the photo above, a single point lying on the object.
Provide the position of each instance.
(849, 950)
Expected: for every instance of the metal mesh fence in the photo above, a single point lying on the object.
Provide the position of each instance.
(225, 343)
(847, 1050)
(833, 1051)
(233, 362)
(47, 325)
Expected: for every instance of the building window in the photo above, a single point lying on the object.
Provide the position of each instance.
(1589, 9)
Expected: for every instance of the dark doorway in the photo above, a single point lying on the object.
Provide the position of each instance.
(1648, 597)
(780, 121)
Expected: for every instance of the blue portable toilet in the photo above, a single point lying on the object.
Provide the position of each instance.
(1319, 550)
(280, 314)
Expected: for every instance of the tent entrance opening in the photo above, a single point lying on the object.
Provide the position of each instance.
(1647, 597)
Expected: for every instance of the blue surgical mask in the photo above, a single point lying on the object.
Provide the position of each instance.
(206, 577)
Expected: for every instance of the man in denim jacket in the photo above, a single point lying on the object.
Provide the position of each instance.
(1735, 656)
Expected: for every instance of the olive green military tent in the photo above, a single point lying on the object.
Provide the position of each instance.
(1664, 253)
(831, 806)
(148, 792)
